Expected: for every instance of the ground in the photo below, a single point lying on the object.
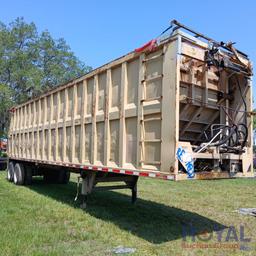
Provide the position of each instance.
(43, 219)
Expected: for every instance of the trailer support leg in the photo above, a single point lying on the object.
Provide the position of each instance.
(134, 194)
(87, 186)
(134, 189)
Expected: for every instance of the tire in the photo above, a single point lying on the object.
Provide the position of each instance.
(19, 174)
(10, 171)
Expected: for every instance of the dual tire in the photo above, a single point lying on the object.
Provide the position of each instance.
(18, 174)
(22, 174)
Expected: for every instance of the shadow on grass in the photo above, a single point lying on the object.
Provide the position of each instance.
(152, 221)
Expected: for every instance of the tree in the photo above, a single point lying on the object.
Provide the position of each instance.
(31, 63)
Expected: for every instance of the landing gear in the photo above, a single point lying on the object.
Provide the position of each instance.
(133, 186)
(91, 179)
(88, 182)
(134, 194)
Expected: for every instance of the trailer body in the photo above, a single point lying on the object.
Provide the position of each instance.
(133, 115)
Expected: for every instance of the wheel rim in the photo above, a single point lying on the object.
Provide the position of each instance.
(15, 177)
(10, 173)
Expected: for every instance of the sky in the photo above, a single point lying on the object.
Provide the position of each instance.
(100, 31)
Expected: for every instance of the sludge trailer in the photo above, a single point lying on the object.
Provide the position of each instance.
(180, 107)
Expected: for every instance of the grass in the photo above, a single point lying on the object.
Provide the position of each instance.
(43, 219)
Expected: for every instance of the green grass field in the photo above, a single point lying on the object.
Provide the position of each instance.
(43, 219)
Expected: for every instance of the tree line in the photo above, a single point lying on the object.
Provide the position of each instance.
(30, 63)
